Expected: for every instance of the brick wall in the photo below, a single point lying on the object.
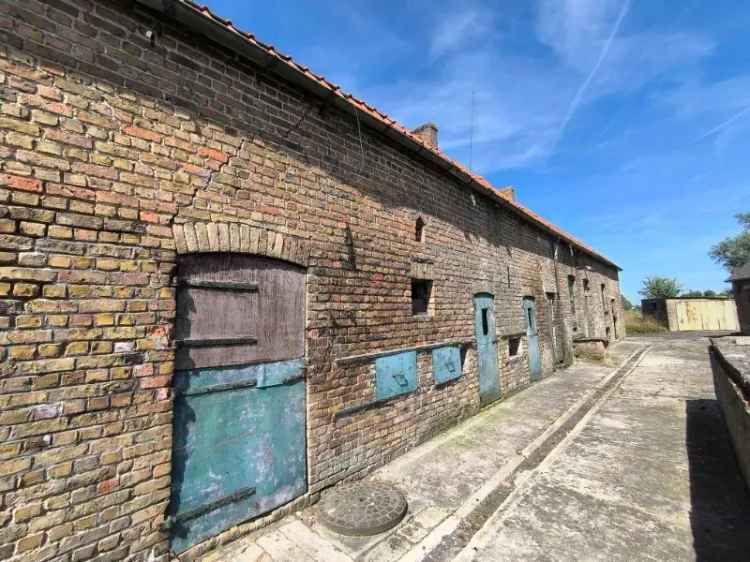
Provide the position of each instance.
(107, 144)
(741, 290)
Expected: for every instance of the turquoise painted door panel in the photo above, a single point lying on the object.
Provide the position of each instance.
(395, 374)
(239, 446)
(484, 328)
(446, 363)
(532, 338)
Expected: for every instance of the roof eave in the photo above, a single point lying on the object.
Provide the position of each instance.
(191, 18)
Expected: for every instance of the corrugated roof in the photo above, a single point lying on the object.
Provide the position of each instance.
(280, 60)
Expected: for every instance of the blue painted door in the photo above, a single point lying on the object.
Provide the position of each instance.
(532, 338)
(484, 328)
(239, 407)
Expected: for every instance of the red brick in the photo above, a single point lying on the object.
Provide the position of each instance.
(19, 182)
(144, 134)
(213, 154)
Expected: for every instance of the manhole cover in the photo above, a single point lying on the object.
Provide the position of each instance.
(362, 509)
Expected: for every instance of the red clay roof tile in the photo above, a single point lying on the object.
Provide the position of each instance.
(385, 119)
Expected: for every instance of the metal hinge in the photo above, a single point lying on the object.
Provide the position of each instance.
(221, 388)
(239, 495)
(221, 285)
(208, 342)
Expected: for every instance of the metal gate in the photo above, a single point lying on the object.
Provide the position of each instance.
(239, 410)
(484, 327)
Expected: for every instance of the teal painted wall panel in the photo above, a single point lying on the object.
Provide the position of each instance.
(396, 374)
(446, 363)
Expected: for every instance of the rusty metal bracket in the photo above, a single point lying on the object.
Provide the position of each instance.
(221, 388)
(209, 342)
(240, 494)
(221, 285)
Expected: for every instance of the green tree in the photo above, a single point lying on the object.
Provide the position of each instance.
(692, 294)
(626, 304)
(656, 287)
(707, 294)
(735, 250)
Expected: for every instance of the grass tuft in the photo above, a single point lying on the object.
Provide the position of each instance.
(635, 324)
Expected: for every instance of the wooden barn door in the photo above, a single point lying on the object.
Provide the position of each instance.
(239, 412)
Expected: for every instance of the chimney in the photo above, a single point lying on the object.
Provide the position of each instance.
(508, 193)
(428, 133)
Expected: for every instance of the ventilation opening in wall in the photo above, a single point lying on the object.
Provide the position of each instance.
(485, 322)
(513, 345)
(419, 230)
(421, 297)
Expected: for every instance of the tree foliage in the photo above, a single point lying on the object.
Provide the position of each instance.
(734, 251)
(656, 287)
(707, 294)
(626, 304)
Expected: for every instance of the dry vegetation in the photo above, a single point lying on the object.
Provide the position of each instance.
(635, 324)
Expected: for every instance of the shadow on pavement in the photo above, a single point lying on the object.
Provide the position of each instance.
(720, 503)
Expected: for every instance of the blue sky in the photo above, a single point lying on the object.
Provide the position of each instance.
(626, 123)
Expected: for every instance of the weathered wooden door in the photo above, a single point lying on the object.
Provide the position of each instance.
(239, 409)
(532, 338)
(484, 327)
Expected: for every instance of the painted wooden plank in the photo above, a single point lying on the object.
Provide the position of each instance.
(396, 375)
(446, 363)
(193, 381)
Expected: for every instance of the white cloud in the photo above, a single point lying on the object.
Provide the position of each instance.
(456, 30)
(601, 58)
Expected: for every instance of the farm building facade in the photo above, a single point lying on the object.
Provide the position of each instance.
(226, 285)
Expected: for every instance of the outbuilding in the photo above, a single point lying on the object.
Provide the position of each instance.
(685, 314)
(740, 280)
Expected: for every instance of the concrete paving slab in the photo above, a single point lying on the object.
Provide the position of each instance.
(648, 476)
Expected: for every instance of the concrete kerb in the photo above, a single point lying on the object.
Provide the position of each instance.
(506, 479)
(523, 479)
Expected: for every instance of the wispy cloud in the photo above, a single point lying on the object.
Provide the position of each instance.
(455, 30)
(585, 85)
(721, 126)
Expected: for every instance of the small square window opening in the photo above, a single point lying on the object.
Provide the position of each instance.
(419, 230)
(421, 296)
(513, 345)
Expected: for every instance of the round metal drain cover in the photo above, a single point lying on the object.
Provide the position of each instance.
(362, 509)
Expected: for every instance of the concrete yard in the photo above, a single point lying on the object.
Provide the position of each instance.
(623, 462)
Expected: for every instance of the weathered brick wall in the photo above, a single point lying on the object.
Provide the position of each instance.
(741, 290)
(106, 143)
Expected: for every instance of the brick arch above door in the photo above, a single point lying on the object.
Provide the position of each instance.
(203, 237)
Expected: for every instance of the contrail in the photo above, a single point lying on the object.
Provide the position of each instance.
(602, 55)
(725, 124)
